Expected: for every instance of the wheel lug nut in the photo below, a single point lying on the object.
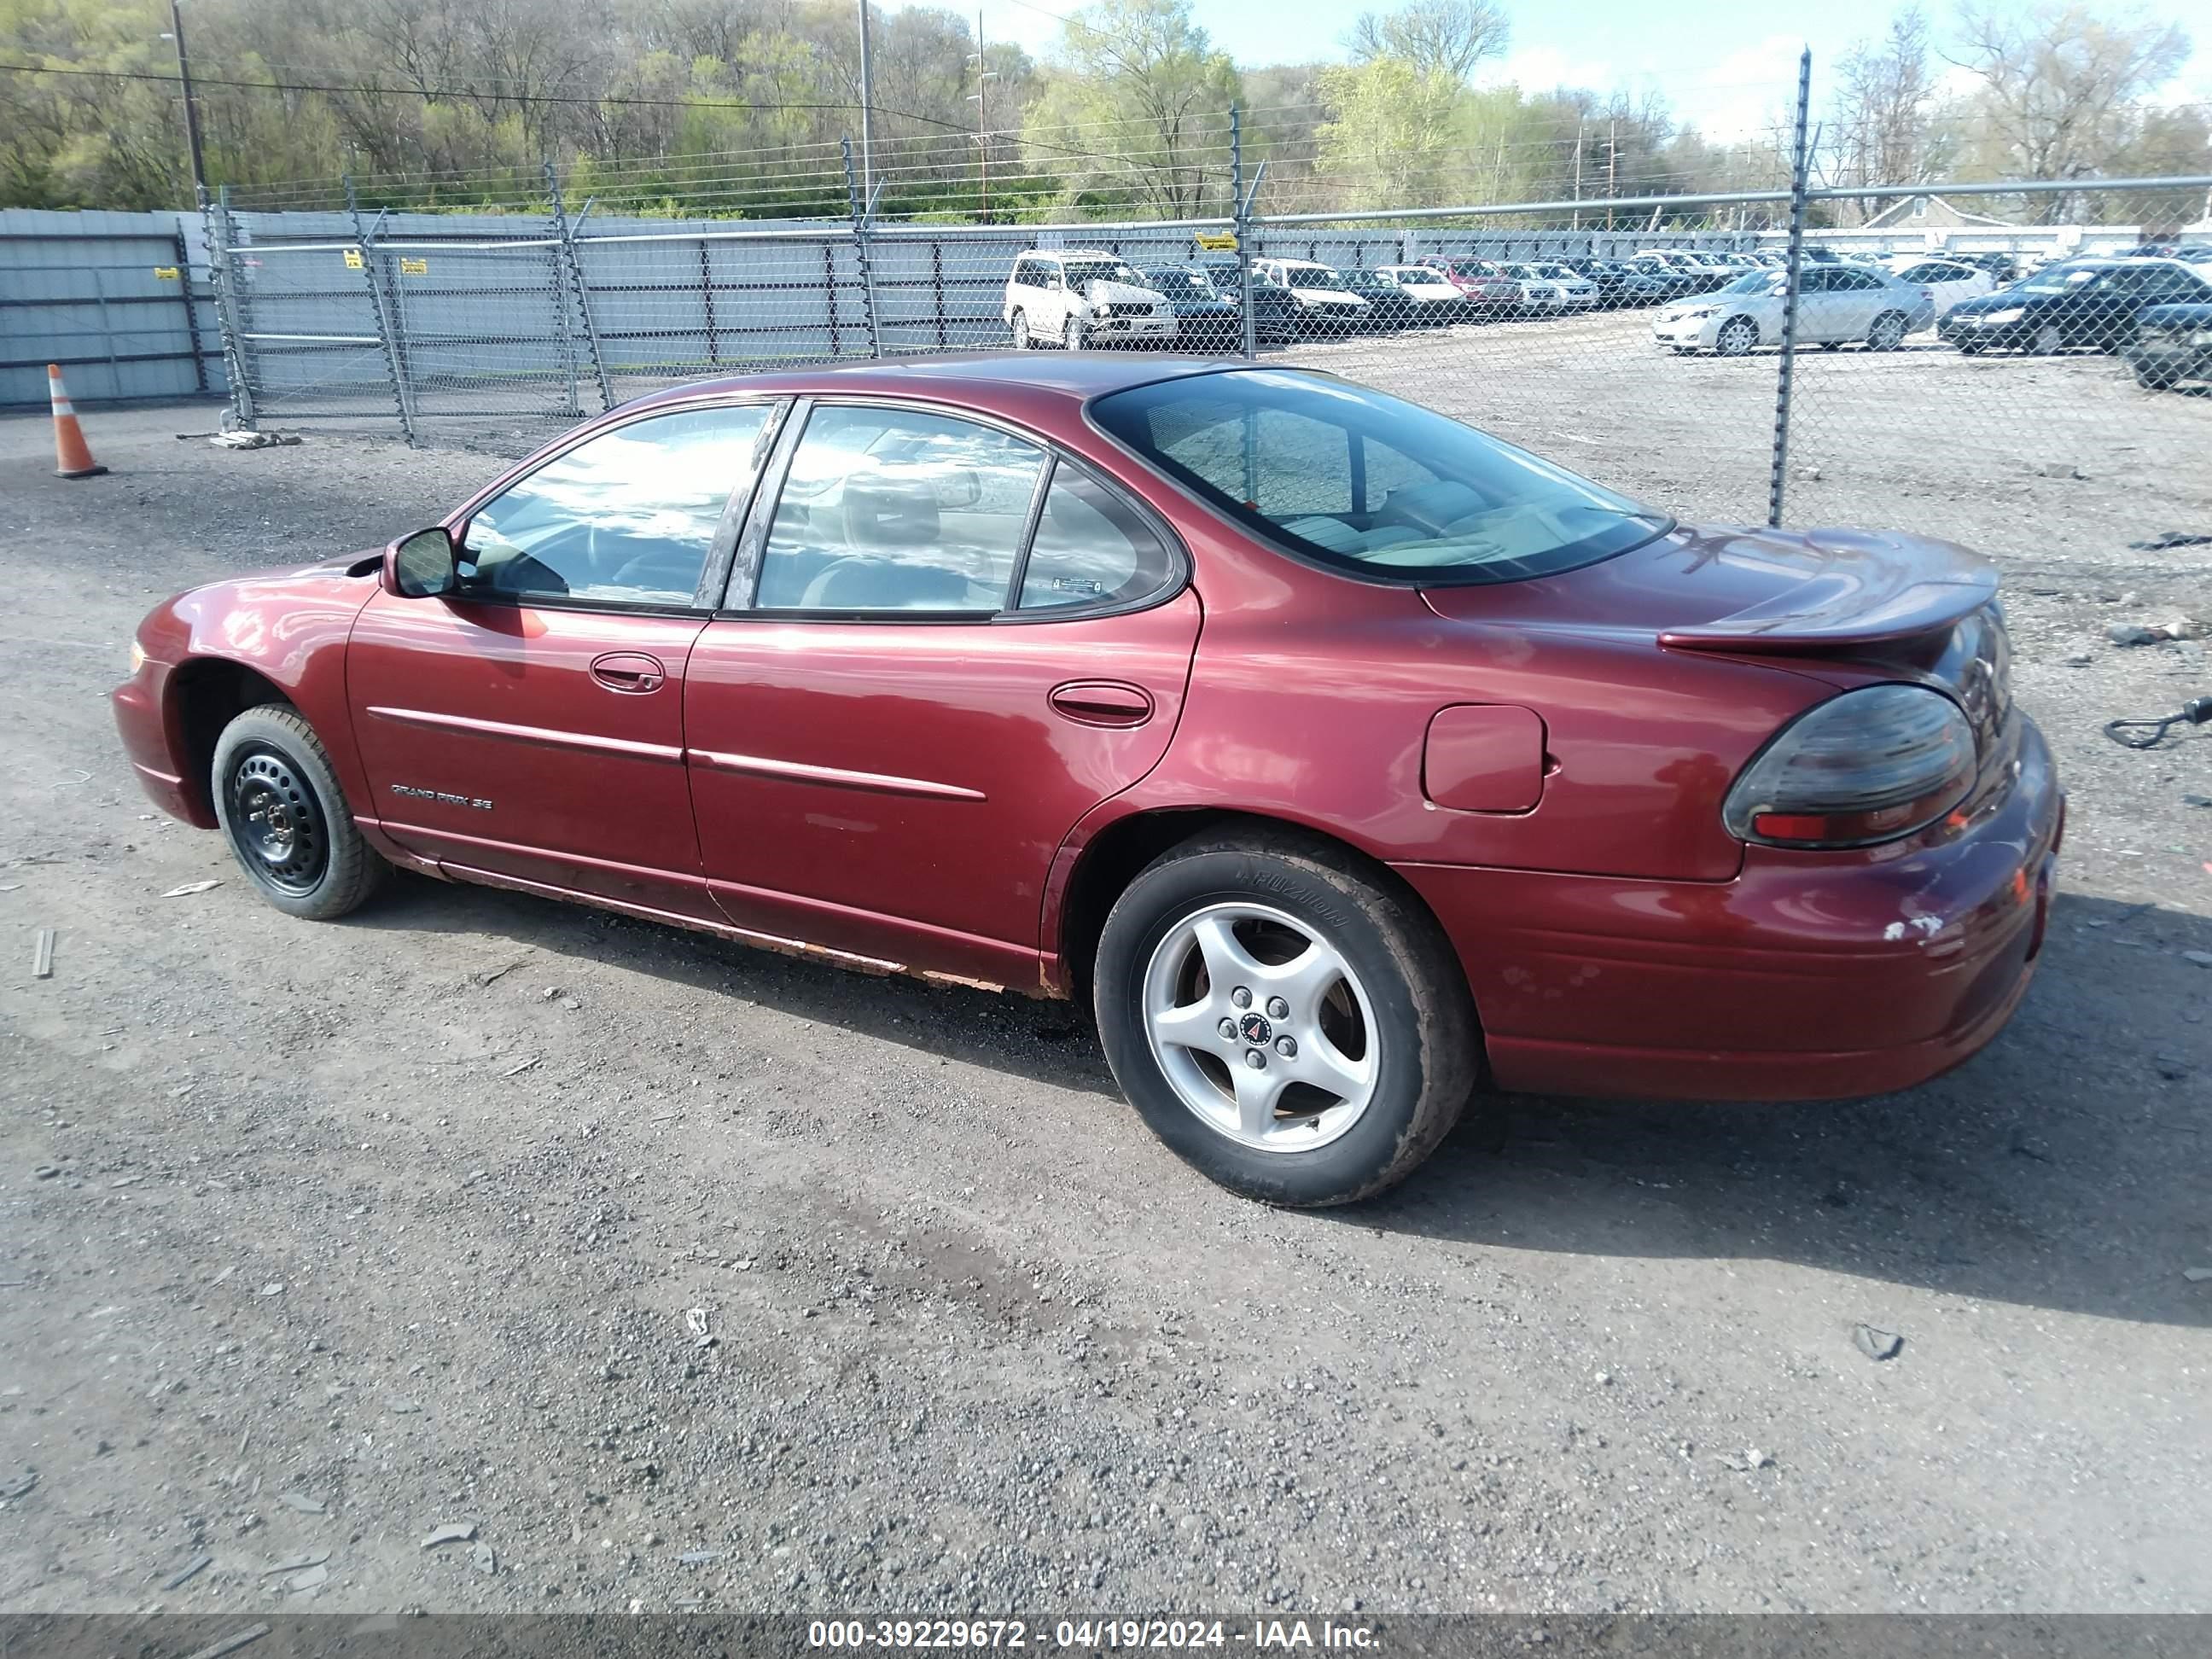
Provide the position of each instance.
(1241, 997)
(1228, 1029)
(1277, 1009)
(1287, 1048)
(1255, 1060)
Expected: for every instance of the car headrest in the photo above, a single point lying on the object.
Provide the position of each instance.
(882, 512)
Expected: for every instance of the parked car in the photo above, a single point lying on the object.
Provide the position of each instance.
(1204, 320)
(1704, 272)
(1540, 295)
(1078, 298)
(1488, 291)
(1274, 312)
(1672, 280)
(1617, 284)
(1622, 806)
(2083, 303)
(2172, 344)
(1391, 305)
(1576, 291)
(1326, 306)
(1434, 300)
(1835, 304)
(1944, 282)
(2002, 267)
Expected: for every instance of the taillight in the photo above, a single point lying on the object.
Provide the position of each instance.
(1867, 766)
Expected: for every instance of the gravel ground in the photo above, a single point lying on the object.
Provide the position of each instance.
(320, 1238)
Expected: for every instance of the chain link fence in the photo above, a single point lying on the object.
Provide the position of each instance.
(2002, 364)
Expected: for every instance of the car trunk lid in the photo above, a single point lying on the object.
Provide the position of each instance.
(1811, 592)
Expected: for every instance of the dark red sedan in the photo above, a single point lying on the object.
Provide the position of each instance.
(1341, 756)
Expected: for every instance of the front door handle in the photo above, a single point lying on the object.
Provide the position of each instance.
(1101, 703)
(631, 672)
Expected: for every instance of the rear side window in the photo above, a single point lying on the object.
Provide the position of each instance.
(1355, 477)
(1090, 547)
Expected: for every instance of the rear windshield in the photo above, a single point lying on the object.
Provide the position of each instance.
(1358, 479)
(1183, 284)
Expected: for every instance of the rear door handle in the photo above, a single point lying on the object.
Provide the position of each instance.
(1101, 703)
(631, 672)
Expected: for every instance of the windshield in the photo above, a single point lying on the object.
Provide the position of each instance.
(2063, 279)
(1311, 276)
(1357, 477)
(1754, 281)
(1559, 273)
(1081, 273)
(1183, 284)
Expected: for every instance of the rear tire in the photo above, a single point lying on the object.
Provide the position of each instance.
(2155, 380)
(1365, 1036)
(1888, 333)
(2049, 341)
(1022, 340)
(278, 800)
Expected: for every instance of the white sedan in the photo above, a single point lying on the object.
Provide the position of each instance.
(1836, 303)
(1945, 281)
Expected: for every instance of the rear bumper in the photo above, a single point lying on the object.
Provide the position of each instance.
(1809, 976)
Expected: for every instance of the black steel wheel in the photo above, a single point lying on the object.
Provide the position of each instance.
(278, 801)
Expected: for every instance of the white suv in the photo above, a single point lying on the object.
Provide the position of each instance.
(1075, 298)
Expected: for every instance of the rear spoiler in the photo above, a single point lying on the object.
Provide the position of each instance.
(1867, 600)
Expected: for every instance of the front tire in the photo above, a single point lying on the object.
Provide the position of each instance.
(1022, 340)
(1346, 990)
(2049, 341)
(1071, 335)
(1736, 337)
(278, 800)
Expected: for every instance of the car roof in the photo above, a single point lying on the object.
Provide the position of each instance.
(985, 378)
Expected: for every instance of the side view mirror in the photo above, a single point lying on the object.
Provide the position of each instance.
(424, 565)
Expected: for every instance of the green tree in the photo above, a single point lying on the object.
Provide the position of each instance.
(1136, 110)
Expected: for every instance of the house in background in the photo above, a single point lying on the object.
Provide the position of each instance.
(1932, 212)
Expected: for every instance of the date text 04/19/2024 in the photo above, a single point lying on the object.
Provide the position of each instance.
(1089, 1635)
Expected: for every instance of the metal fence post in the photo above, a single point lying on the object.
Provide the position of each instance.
(559, 256)
(192, 311)
(707, 304)
(1778, 477)
(1240, 202)
(863, 213)
(387, 336)
(216, 226)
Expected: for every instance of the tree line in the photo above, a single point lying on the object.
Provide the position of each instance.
(741, 108)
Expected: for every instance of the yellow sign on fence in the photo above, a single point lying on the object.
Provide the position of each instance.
(165, 273)
(353, 258)
(414, 267)
(1217, 241)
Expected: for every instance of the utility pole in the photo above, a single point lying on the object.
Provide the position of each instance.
(984, 76)
(191, 109)
(1612, 167)
(1578, 175)
(867, 110)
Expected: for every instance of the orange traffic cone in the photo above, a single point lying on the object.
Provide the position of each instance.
(72, 455)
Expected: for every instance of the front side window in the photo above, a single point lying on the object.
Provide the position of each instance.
(626, 518)
(899, 509)
(1358, 479)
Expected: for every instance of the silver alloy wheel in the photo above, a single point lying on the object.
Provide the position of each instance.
(2049, 341)
(1260, 1027)
(1021, 330)
(1888, 332)
(1736, 337)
